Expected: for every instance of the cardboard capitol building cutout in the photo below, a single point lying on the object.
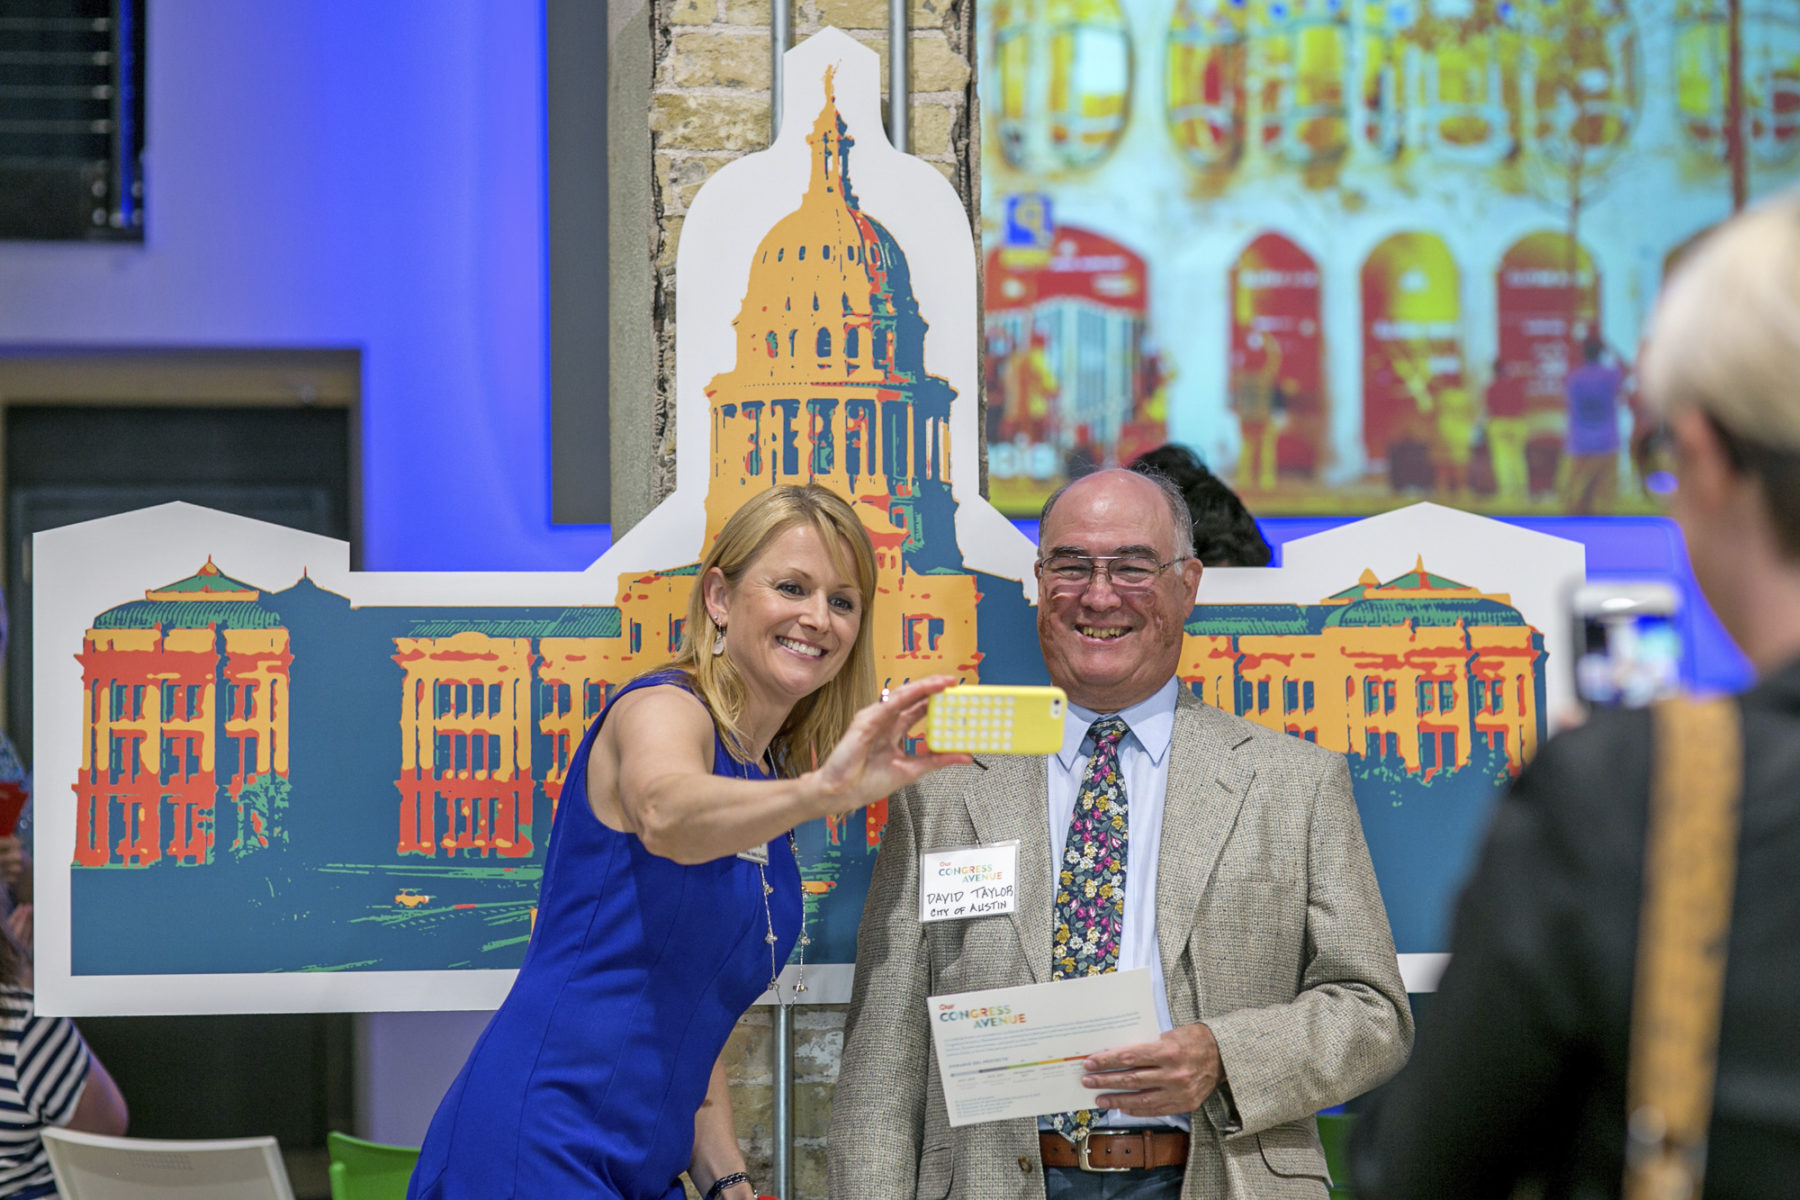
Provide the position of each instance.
(268, 783)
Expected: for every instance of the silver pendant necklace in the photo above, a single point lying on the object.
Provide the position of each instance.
(762, 872)
(768, 889)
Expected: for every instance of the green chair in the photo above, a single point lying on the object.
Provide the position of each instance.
(368, 1170)
(1334, 1132)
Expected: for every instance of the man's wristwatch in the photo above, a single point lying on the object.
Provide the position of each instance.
(725, 1181)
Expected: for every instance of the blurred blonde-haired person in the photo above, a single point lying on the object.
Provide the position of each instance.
(1520, 1075)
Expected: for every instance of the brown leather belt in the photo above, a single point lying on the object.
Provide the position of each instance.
(1116, 1151)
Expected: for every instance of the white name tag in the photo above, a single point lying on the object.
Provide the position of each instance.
(756, 854)
(968, 881)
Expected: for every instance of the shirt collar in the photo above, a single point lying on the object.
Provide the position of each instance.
(1151, 721)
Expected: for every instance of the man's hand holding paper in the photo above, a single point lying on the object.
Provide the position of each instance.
(1026, 1051)
(1174, 1074)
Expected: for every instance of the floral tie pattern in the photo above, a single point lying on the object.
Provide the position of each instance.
(1090, 882)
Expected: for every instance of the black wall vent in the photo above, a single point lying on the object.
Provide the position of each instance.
(72, 119)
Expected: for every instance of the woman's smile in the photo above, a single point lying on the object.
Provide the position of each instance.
(804, 649)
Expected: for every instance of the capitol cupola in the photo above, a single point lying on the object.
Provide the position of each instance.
(830, 297)
(831, 143)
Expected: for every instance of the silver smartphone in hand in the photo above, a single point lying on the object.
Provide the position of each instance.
(1628, 643)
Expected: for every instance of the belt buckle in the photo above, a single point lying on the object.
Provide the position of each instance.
(1082, 1161)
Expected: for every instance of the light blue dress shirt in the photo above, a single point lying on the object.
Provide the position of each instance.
(1144, 764)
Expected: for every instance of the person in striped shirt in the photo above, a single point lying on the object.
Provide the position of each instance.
(48, 1076)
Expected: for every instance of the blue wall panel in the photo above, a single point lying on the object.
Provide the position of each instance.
(345, 174)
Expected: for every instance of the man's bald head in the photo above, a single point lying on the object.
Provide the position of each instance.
(1179, 519)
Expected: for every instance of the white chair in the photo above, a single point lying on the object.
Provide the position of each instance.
(91, 1167)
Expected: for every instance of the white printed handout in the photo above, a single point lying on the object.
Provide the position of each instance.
(968, 881)
(1017, 1052)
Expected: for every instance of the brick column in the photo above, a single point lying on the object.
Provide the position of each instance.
(709, 104)
(750, 1062)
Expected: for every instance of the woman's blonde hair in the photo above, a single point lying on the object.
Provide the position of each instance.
(818, 721)
(1725, 336)
(1725, 339)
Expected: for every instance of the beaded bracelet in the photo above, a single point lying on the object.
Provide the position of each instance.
(725, 1181)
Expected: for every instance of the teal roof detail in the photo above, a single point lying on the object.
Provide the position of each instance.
(1425, 613)
(1425, 579)
(188, 614)
(207, 579)
(1231, 620)
(1414, 580)
(571, 622)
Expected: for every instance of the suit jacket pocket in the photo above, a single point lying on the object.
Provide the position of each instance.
(936, 1169)
(1294, 1150)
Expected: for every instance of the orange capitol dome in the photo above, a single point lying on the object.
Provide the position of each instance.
(830, 385)
(829, 293)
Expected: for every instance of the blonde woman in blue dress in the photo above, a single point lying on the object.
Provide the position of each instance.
(657, 923)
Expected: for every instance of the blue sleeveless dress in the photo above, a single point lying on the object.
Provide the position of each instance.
(586, 1081)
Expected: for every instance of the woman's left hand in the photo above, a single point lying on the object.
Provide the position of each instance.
(871, 761)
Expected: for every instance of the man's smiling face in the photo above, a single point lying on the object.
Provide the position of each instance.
(1110, 648)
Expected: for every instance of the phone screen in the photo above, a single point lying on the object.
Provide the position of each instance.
(1628, 660)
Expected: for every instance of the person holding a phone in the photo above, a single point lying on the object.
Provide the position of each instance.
(671, 896)
(1520, 1081)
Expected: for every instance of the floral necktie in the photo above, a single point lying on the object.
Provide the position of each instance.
(1090, 881)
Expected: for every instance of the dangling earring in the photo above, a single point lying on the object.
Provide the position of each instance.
(718, 646)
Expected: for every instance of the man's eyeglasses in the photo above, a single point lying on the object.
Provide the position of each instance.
(1653, 455)
(1126, 572)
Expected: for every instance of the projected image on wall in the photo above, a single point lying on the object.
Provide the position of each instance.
(1356, 253)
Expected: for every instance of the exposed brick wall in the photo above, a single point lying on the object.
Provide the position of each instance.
(750, 1061)
(710, 105)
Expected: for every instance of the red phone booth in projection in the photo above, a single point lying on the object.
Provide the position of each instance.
(1412, 356)
(1275, 377)
(1069, 374)
(1545, 310)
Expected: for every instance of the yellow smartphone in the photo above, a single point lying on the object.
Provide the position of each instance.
(980, 718)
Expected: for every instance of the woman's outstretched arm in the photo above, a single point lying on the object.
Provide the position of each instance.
(650, 773)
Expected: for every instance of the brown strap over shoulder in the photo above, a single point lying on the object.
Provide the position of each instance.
(1690, 865)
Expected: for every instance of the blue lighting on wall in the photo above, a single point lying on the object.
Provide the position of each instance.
(341, 174)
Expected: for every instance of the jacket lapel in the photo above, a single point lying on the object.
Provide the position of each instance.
(1009, 804)
(1209, 776)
